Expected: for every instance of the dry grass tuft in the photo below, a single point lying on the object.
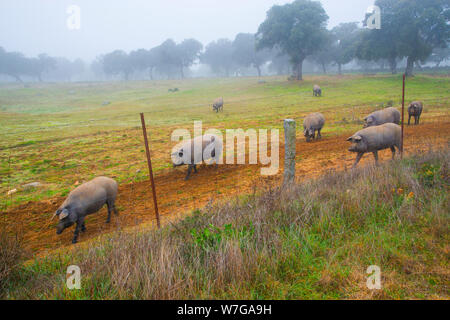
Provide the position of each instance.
(314, 240)
(11, 255)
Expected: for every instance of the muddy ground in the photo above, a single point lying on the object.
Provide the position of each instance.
(176, 196)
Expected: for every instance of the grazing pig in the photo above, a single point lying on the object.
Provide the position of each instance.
(218, 104)
(317, 91)
(207, 147)
(313, 122)
(86, 199)
(388, 115)
(415, 110)
(376, 138)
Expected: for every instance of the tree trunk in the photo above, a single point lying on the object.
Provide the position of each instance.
(299, 70)
(259, 70)
(324, 68)
(409, 67)
(393, 65)
(418, 65)
(339, 68)
(181, 72)
(151, 73)
(16, 77)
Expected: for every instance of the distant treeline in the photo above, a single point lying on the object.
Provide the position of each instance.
(293, 38)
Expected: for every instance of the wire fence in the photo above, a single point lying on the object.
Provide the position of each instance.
(135, 193)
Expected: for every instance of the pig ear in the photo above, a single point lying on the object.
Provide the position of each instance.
(350, 139)
(56, 213)
(357, 138)
(63, 214)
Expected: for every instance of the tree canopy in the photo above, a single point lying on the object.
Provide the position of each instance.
(409, 29)
(343, 48)
(245, 53)
(219, 56)
(298, 29)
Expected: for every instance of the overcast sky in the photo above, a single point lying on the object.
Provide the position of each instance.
(36, 26)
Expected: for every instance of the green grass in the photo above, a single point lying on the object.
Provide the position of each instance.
(312, 241)
(80, 138)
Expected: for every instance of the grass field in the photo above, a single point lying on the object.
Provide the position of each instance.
(58, 134)
(63, 134)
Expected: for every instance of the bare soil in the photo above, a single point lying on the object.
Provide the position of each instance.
(176, 196)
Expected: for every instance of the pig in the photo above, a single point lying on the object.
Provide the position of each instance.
(388, 115)
(313, 122)
(218, 104)
(209, 147)
(415, 110)
(88, 198)
(317, 91)
(373, 139)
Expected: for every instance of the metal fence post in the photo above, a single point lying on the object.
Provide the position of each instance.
(149, 162)
(403, 113)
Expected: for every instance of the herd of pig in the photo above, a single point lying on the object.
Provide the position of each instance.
(381, 131)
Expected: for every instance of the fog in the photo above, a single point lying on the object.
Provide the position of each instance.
(37, 26)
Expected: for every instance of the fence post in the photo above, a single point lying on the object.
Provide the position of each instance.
(403, 114)
(149, 162)
(289, 151)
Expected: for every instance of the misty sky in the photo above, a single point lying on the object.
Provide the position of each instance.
(37, 26)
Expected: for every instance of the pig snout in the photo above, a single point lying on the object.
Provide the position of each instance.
(59, 229)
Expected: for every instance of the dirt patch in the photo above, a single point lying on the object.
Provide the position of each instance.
(177, 196)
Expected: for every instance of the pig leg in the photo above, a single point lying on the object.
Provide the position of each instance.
(358, 158)
(108, 220)
(189, 172)
(195, 168)
(213, 156)
(319, 136)
(77, 230)
(375, 155)
(393, 152)
(416, 120)
(111, 207)
(314, 134)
